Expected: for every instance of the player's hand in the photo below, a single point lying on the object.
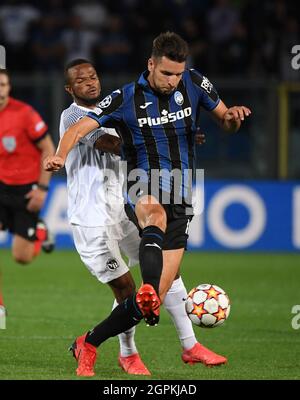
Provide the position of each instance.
(199, 138)
(236, 113)
(53, 163)
(36, 199)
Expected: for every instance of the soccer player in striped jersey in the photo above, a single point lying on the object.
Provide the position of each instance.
(157, 118)
(99, 224)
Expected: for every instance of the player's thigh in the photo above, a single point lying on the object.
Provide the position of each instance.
(130, 242)
(150, 212)
(22, 249)
(23, 227)
(171, 265)
(100, 254)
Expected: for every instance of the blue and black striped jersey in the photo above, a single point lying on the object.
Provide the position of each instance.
(158, 130)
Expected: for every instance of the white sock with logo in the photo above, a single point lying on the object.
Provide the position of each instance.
(126, 340)
(175, 305)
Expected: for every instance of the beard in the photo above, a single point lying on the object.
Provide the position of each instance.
(89, 101)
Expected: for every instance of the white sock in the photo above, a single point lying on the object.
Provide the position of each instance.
(126, 339)
(175, 305)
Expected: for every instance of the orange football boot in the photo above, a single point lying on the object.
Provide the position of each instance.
(133, 365)
(85, 354)
(148, 302)
(199, 353)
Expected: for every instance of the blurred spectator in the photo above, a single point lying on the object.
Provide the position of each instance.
(222, 19)
(47, 47)
(78, 40)
(114, 51)
(236, 58)
(15, 20)
(194, 33)
(92, 12)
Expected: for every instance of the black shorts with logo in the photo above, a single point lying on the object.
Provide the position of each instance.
(176, 235)
(13, 213)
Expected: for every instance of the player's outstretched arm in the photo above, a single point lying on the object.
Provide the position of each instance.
(230, 119)
(68, 141)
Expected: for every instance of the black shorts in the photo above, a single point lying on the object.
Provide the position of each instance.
(176, 235)
(13, 213)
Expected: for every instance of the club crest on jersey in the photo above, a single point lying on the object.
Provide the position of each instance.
(178, 98)
(112, 264)
(105, 102)
(9, 143)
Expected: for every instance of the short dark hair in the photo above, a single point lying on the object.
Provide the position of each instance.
(4, 71)
(170, 45)
(74, 63)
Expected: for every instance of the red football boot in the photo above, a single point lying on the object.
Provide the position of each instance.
(148, 303)
(85, 354)
(133, 365)
(199, 353)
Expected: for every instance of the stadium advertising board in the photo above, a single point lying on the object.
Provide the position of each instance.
(254, 216)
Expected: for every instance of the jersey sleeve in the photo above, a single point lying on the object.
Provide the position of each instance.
(208, 95)
(72, 115)
(35, 125)
(109, 110)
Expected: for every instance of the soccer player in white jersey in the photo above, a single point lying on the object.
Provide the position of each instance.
(99, 230)
(102, 231)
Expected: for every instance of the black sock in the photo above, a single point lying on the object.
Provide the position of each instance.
(150, 254)
(123, 317)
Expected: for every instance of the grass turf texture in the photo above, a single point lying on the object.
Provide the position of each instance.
(55, 299)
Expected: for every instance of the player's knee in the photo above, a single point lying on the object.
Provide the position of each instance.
(158, 218)
(22, 259)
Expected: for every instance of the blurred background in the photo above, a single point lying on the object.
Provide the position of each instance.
(243, 46)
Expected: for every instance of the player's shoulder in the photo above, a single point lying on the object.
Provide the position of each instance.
(72, 114)
(19, 105)
(195, 76)
(201, 82)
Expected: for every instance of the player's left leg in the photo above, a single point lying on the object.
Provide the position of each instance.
(99, 251)
(173, 294)
(22, 249)
(29, 234)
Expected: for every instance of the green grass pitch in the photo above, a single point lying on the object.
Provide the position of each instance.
(55, 299)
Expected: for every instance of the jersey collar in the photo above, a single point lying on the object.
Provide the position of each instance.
(143, 81)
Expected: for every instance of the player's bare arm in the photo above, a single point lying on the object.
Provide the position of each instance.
(68, 141)
(109, 144)
(37, 195)
(230, 119)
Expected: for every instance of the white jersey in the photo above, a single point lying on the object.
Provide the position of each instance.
(94, 179)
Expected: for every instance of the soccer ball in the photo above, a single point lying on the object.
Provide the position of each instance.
(207, 306)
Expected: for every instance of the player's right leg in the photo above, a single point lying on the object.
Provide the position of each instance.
(22, 223)
(152, 220)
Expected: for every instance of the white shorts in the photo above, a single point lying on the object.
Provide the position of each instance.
(100, 248)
